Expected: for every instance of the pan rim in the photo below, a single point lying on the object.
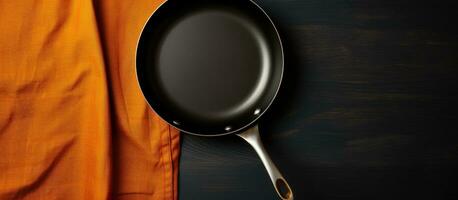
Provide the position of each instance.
(252, 122)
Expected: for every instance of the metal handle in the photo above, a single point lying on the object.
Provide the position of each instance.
(281, 186)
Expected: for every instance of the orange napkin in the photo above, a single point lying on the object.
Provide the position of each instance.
(73, 122)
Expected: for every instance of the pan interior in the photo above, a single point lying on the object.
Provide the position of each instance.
(213, 64)
(209, 69)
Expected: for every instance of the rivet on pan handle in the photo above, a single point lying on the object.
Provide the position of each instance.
(281, 186)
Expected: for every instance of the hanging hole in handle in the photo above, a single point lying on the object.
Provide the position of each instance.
(283, 189)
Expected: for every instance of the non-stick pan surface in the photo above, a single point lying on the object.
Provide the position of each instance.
(209, 67)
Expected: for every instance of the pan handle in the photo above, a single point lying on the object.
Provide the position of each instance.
(281, 186)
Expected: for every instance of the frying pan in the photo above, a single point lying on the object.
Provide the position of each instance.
(212, 68)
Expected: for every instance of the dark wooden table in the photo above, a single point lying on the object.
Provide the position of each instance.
(368, 108)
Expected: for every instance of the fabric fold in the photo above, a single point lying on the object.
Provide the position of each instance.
(73, 121)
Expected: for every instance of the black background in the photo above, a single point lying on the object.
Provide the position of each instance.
(368, 108)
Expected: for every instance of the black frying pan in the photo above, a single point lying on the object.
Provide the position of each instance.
(212, 68)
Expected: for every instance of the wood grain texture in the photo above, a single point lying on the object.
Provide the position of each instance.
(368, 108)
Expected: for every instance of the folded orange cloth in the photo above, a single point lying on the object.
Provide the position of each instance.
(73, 121)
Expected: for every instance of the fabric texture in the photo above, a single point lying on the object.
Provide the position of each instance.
(73, 121)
